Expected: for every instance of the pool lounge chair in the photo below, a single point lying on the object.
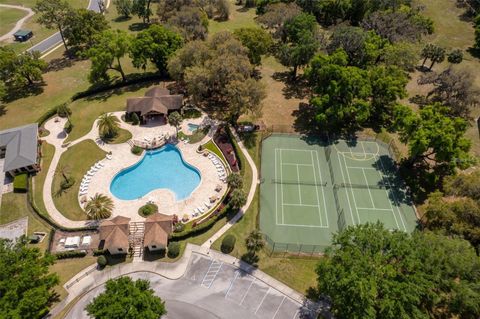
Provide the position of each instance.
(202, 210)
(109, 156)
(207, 204)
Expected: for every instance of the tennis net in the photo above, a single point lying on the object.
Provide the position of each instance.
(297, 182)
(371, 186)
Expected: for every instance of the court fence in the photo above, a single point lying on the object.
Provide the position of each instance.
(277, 249)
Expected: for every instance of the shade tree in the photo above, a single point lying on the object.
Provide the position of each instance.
(20, 70)
(391, 274)
(108, 49)
(142, 8)
(257, 41)
(53, 14)
(275, 17)
(126, 298)
(190, 22)
(156, 45)
(124, 8)
(82, 26)
(26, 283)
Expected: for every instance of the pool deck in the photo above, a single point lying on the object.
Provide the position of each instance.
(122, 158)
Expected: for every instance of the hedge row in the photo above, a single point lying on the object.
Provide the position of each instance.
(201, 228)
(235, 147)
(71, 254)
(42, 119)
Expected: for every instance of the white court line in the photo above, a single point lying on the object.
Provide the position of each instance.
(374, 208)
(295, 164)
(394, 197)
(281, 185)
(237, 272)
(363, 148)
(346, 192)
(300, 205)
(246, 293)
(300, 225)
(299, 189)
(281, 303)
(292, 149)
(316, 189)
(263, 299)
(356, 153)
(359, 167)
(323, 192)
(368, 187)
(276, 190)
(351, 189)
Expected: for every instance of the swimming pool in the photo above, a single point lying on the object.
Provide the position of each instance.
(162, 168)
(192, 127)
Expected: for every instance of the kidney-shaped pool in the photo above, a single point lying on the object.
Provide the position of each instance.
(162, 168)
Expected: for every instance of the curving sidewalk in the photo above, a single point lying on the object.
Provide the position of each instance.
(19, 23)
(251, 194)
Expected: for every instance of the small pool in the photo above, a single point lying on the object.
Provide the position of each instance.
(162, 168)
(192, 127)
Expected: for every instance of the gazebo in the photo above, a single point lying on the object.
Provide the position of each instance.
(157, 228)
(114, 235)
(155, 105)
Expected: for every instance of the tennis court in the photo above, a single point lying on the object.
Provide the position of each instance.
(312, 189)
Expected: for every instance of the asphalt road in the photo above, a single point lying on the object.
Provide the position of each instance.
(56, 39)
(212, 290)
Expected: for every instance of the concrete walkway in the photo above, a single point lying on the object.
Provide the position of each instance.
(90, 278)
(19, 23)
(251, 194)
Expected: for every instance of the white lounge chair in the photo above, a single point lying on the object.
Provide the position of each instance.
(202, 210)
(207, 204)
(109, 156)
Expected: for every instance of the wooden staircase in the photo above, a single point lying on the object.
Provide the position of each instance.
(137, 232)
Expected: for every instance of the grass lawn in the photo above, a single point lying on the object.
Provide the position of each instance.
(9, 18)
(122, 137)
(212, 147)
(196, 136)
(39, 32)
(67, 268)
(15, 206)
(47, 155)
(239, 18)
(452, 31)
(78, 158)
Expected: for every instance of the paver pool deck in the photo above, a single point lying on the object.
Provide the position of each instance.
(123, 158)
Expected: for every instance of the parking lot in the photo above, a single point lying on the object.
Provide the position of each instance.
(211, 289)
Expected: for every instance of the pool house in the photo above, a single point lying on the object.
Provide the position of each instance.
(154, 107)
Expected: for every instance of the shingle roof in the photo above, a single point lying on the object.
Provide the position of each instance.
(157, 100)
(114, 233)
(157, 229)
(21, 146)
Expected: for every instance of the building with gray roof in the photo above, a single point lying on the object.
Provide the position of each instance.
(19, 149)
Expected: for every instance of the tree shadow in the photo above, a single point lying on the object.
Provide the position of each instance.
(294, 87)
(3, 109)
(109, 92)
(59, 64)
(16, 93)
(121, 19)
(305, 120)
(474, 52)
(138, 26)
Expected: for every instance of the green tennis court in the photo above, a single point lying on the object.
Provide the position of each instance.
(312, 189)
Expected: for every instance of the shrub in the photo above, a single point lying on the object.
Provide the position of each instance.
(98, 252)
(71, 254)
(179, 227)
(147, 210)
(45, 116)
(137, 150)
(134, 118)
(228, 243)
(191, 114)
(20, 183)
(63, 110)
(68, 127)
(173, 249)
(101, 261)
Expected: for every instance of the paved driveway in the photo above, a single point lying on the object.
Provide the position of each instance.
(211, 289)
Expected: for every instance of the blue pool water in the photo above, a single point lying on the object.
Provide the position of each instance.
(192, 127)
(162, 168)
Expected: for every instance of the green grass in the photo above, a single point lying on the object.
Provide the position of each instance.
(78, 158)
(196, 136)
(9, 18)
(122, 137)
(239, 18)
(15, 206)
(48, 151)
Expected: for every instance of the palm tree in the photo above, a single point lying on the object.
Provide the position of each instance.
(99, 207)
(108, 125)
(175, 119)
(237, 198)
(254, 241)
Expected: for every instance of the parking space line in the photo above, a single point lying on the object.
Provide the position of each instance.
(275, 314)
(263, 299)
(211, 273)
(246, 293)
(237, 272)
(296, 313)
